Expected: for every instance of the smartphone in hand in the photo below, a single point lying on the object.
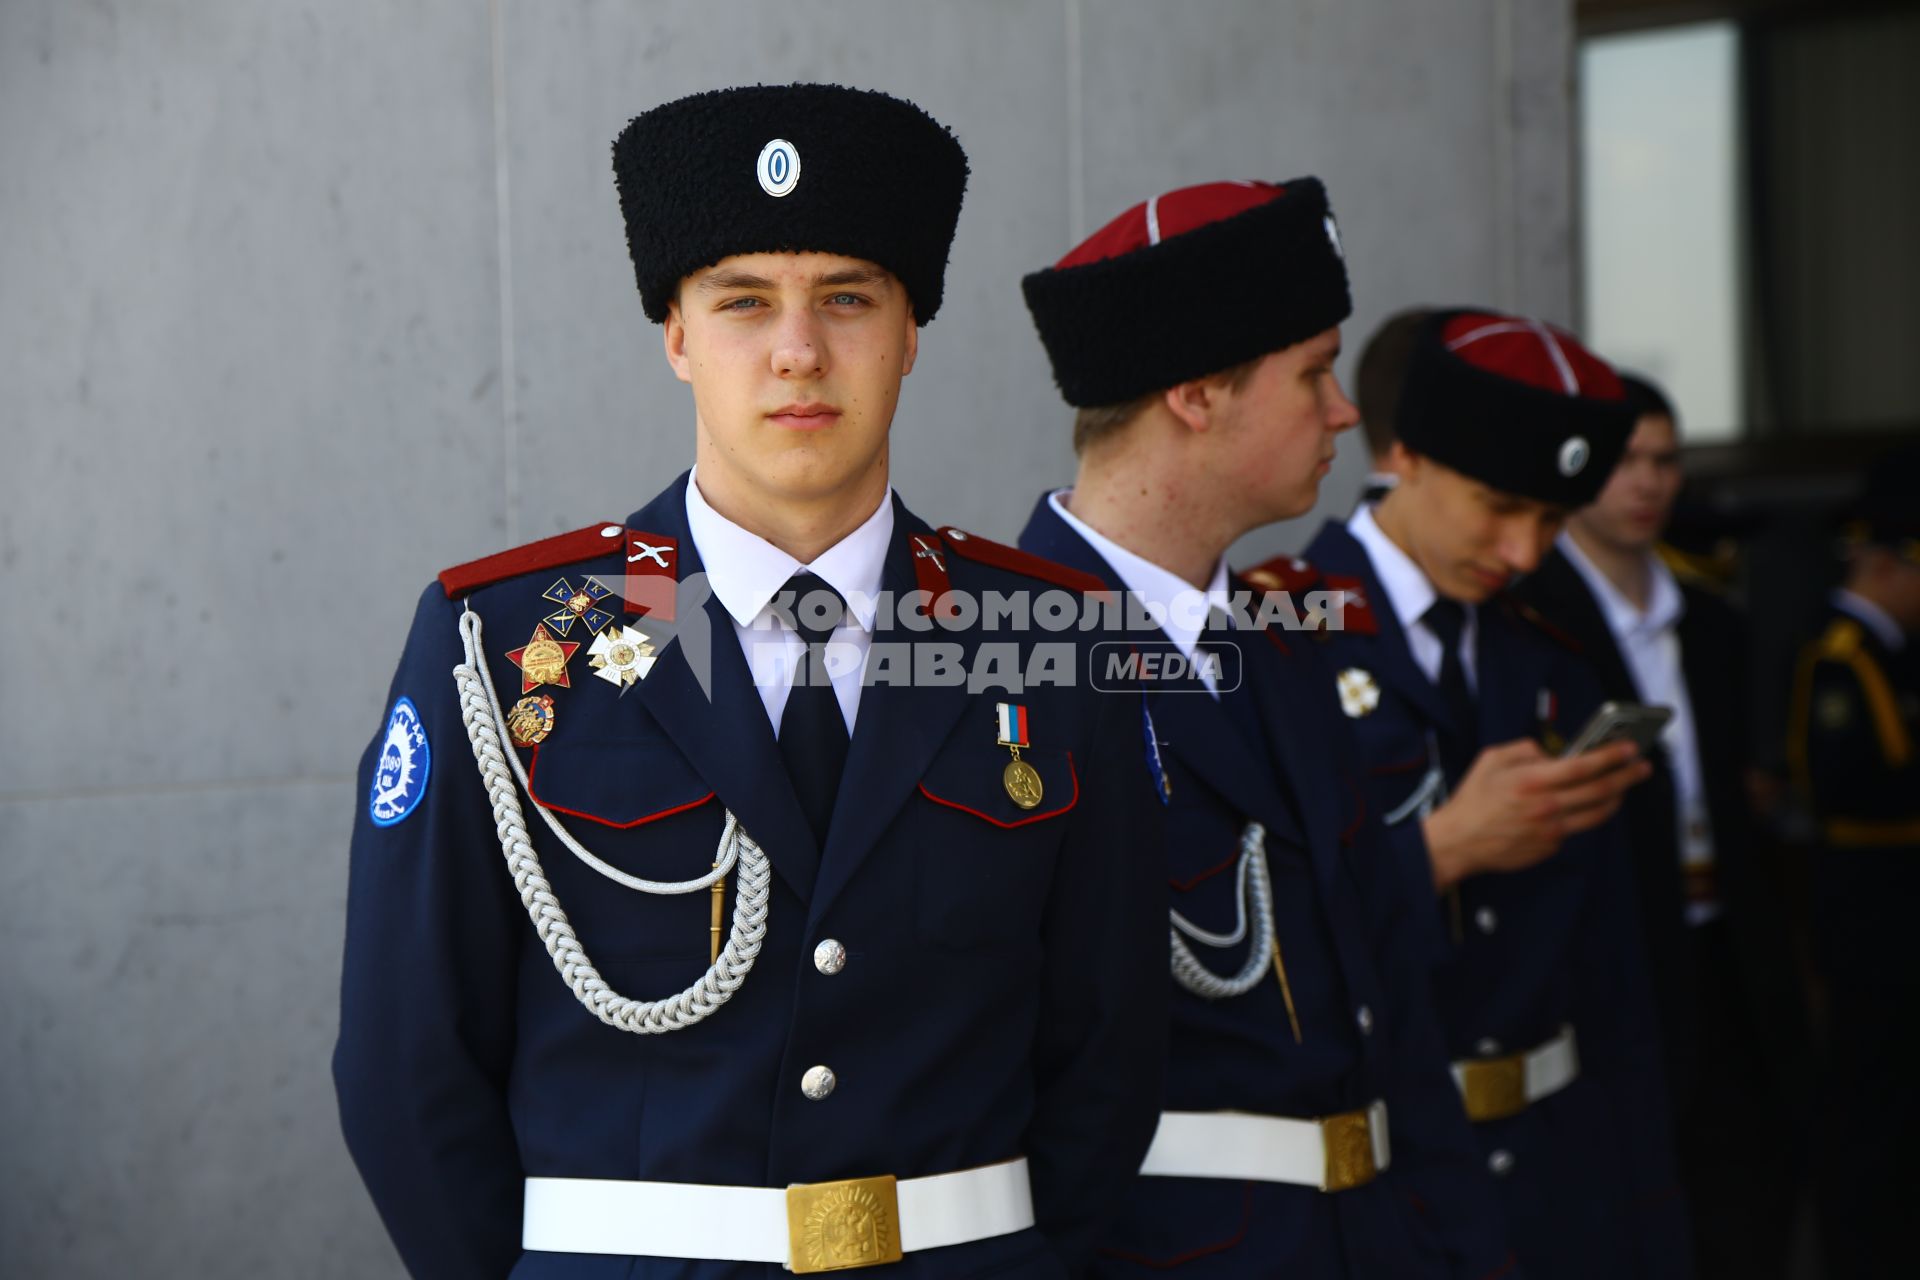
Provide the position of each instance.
(1621, 722)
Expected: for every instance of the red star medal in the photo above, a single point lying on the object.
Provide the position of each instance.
(543, 660)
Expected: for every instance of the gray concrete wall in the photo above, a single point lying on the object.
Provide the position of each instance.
(301, 302)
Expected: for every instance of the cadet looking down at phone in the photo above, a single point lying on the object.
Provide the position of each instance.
(1461, 699)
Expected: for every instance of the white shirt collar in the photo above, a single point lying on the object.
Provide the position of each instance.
(746, 571)
(1407, 588)
(1871, 615)
(1183, 607)
(1665, 604)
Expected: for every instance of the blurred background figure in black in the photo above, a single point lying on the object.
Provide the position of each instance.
(1377, 384)
(1712, 897)
(1853, 730)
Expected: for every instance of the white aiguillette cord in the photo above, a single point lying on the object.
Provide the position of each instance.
(480, 712)
(1255, 885)
(1253, 899)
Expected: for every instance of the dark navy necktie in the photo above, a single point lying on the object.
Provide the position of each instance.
(1447, 619)
(813, 733)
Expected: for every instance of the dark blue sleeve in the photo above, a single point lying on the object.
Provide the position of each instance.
(427, 992)
(1101, 1046)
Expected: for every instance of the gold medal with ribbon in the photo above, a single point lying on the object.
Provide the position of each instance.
(1021, 779)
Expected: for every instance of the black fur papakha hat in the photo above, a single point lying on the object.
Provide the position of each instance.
(1516, 404)
(789, 169)
(1190, 283)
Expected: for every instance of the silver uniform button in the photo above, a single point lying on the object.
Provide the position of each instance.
(1500, 1162)
(818, 1082)
(829, 957)
(1488, 1047)
(1487, 921)
(1365, 1018)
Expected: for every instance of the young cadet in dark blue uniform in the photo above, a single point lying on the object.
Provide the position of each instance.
(1311, 1129)
(1462, 701)
(1854, 747)
(686, 938)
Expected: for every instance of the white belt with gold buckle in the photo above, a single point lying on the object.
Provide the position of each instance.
(820, 1226)
(1495, 1088)
(1333, 1153)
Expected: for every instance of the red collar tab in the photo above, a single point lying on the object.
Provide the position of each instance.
(971, 546)
(930, 570)
(653, 571)
(549, 553)
(1356, 611)
(1531, 353)
(1282, 573)
(1172, 214)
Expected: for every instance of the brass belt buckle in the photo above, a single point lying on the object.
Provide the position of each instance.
(1348, 1138)
(1495, 1088)
(838, 1226)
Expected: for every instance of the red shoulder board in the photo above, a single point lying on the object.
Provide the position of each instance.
(548, 553)
(1000, 556)
(1527, 613)
(1282, 573)
(1356, 611)
(647, 586)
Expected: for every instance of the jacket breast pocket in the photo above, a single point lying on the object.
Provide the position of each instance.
(983, 860)
(638, 806)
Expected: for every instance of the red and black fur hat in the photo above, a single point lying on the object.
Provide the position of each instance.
(1187, 284)
(1516, 404)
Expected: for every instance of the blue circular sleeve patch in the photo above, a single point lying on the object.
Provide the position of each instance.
(400, 774)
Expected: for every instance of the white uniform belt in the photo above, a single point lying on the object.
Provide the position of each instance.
(810, 1227)
(1494, 1088)
(1333, 1153)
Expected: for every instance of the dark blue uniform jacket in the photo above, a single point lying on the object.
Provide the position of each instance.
(1357, 976)
(1004, 992)
(1587, 1174)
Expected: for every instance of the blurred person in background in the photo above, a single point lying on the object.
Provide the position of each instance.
(1377, 385)
(1711, 892)
(1854, 751)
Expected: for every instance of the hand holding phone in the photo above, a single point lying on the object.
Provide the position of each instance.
(1620, 722)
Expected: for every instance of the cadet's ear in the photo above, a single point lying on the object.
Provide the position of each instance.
(674, 335)
(1402, 461)
(1194, 402)
(913, 342)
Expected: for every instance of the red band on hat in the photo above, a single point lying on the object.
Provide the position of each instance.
(1532, 353)
(1172, 214)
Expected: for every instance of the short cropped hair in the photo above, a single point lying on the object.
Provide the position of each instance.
(1648, 400)
(1092, 425)
(1383, 375)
